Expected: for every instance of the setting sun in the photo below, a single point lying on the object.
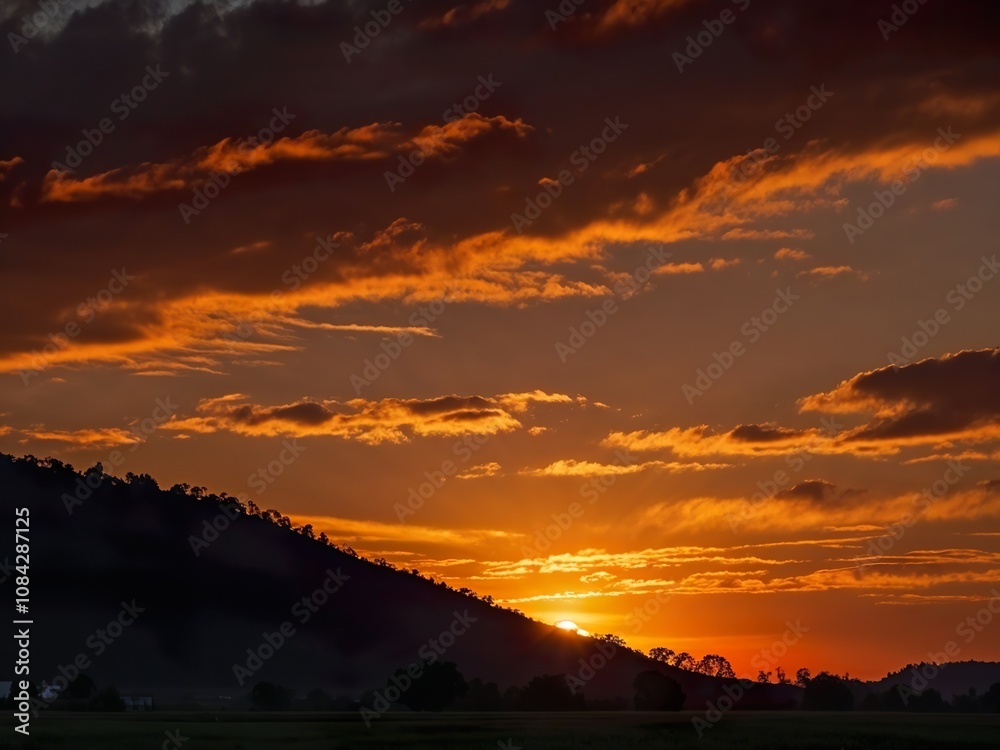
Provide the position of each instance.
(389, 338)
(572, 626)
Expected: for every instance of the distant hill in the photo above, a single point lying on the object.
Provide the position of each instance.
(130, 540)
(950, 679)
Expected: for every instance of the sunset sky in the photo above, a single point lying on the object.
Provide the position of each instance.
(706, 292)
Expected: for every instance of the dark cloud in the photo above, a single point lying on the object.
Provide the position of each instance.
(955, 395)
(386, 420)
(226, 76)
(817, 491)
(756, 433)
(448, 404)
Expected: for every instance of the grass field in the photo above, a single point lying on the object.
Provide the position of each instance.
(539, 731)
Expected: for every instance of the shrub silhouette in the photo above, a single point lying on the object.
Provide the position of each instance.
(827, 692)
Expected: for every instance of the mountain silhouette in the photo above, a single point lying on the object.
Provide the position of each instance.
(201, 580)
(179, 593)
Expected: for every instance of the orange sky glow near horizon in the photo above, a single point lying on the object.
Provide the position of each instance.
(699, 353)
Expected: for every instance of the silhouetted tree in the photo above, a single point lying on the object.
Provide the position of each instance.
(827, 692)
(613, 639)
(782, 677)
(763, 677)
(666, 655)
(655, 691)
(435, 689)
(802, 677)
(716, 666)
(684, 660)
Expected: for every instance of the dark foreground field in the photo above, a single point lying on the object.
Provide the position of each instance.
(615, 731)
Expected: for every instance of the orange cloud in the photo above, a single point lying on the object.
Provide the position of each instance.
(830, 272)
(668, 269)
(935, 402)
(953, 398)
(784, 512)
(373, 422)
(233, 157)
(496, 267)
(745, 440)
(787, 253)
(110, 437)
(480, 471)
(632, 13)
(573, 468)
(719, 264)
(8, 164)
(461, 15)
(355, 531)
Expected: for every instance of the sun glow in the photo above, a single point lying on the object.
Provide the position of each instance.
(571, 626)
